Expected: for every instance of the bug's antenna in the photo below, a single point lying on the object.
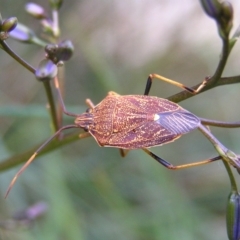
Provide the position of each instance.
(29, 161)
(56, 83)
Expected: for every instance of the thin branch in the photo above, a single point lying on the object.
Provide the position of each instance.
(221, 124)
(7, 49)
(22, 157)
(47, 86)
(178, 97)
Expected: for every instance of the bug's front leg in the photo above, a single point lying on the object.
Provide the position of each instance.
(172, 167)
(89, 103)
(175, 83)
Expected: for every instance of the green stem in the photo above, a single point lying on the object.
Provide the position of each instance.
(7, 49)
(47, 86)
(221, 65)
(56, 30)
(21, 158)
(215, 123)
(224, 153)
(216, 143)
(231, 177)
(214, 80)
(183, 95)
(52, 106)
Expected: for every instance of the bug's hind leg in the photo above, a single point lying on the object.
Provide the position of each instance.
(175, 83)
(172, 167)
(123, 152)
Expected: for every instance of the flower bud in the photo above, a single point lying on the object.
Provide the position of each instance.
(32, 212)
(35, 10)
(61, 52)
(212, 8)
(225, 24)
(46, 70)
(222, 13)
(9, 24)
(233, 216)
(22, 33)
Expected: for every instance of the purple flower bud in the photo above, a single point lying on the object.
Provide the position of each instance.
(233, 216)
(61, 52)
(222, 13)
(46, 70)
(22, 33)
(35, 10)
(212, 8)
(32, 212)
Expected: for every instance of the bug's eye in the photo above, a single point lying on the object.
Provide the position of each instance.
(85, 129)
(88, 110)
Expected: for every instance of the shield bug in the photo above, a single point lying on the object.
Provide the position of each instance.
(134, 122)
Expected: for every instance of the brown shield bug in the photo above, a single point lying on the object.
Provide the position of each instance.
(137, 122)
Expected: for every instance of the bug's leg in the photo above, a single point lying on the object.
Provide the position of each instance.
(123, 152)
(29, 161)
(172, 167)
(89, 103)
(84, 135)
(56, 83)
(159, 77)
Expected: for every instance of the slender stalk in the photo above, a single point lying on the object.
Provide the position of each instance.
(7, 49)
(226, 154)
(55, 19)
(231, 177)
(216, 143)
(183, 95)
(21, 158)
(47, 86)
(228, 157)
(52, 107)
(214, 81)
(221, 65)
(56, 35)
(215, 123)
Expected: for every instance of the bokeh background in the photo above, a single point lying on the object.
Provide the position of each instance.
(91, 192)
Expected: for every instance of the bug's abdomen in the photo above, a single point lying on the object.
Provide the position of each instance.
(137, 121)
(144, 121)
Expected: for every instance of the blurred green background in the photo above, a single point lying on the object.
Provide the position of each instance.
(91, 192)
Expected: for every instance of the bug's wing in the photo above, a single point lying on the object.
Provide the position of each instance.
(178, 122)
(148, 135)
(167, 128)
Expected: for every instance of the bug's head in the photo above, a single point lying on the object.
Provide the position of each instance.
(84, 120)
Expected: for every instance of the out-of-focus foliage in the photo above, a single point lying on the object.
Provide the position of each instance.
(91, 192)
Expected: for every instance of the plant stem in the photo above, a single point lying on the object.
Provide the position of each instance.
(231, 177)
(214, 80)
(7, 49)
(183, 95)
(21, 158)
(47, 85)
(221, 65)
(215, 123)
(52, 107)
